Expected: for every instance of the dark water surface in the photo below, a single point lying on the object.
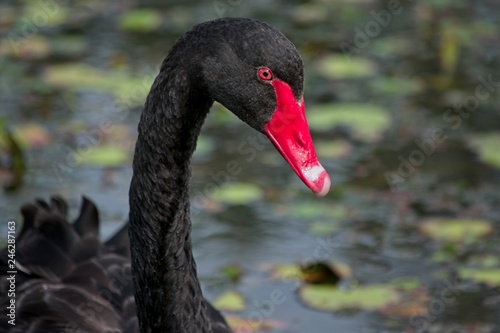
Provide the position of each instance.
(431, 66)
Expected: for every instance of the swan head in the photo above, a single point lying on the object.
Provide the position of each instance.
(256, 72)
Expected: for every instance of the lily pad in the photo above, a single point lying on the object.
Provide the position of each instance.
(329, 298)
(407, 284)
(132, 90)
(340, 67)
(104, 156)
(232, 272)
(310, 209)
(323, 228)
(140, 20)
(391, 46)
(455, 230)
(31, 135)
(287, 272)
(230, 301)
(238, 193)
(489, 276)
(367, 121)
(486, 146)
(51, 17)
(333, 148)
(319, 272)
(410, 304)
(395, 86)
(38, 47)
(248, 324)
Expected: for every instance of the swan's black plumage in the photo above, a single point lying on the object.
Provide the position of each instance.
(65, 272)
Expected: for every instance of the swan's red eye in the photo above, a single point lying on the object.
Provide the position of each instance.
(265, 74)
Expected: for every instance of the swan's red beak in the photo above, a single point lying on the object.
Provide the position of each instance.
(289, 132)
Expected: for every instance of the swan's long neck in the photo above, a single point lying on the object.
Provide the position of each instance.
(167, 291)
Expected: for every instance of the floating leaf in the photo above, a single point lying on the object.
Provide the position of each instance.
(37, 47)
(51, 16)
(140, 20)
(365, 120)
(230, 301)
(310, 209)
(455, 230)
(391, 46)
(409, 304)
(486, 146)
(322, 228)
(247, 325)
(232, 272)
(238, 193)
(329, 298)
(449, 48)
(340, 67)
(307, 209)
(406, 284)
(132, 90)
(489, 276)
(287, 272)
(69, 45)
(333, 148)
(104, 156)
(319, 272)
(395, 86)
(31, 135)
(17, 163)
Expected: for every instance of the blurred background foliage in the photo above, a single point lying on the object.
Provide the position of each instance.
(403, 101)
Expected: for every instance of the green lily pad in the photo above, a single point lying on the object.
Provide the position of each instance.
(395, 86)
(322, 228)
(310, 209)
(329, 298)
(232, 272)
(412, 303)
(238, 193)
(307, 210)
(367, 121)
(333, 148)
(340, 67)
(455, 230)
(81, 77)
(489, 276)
(407, 284)
(230, 301)
(287, 272)
(318, 272)
(31, 135)
(140, 20)
(51, 17)
(249, 325)
(69, 45)
(104, 156)
(391, 46)
(446, 253)
(37, 48)
(486, 145)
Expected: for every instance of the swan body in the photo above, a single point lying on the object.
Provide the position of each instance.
(144, 278)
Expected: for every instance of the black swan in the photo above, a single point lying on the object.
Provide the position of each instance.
(69, 281)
